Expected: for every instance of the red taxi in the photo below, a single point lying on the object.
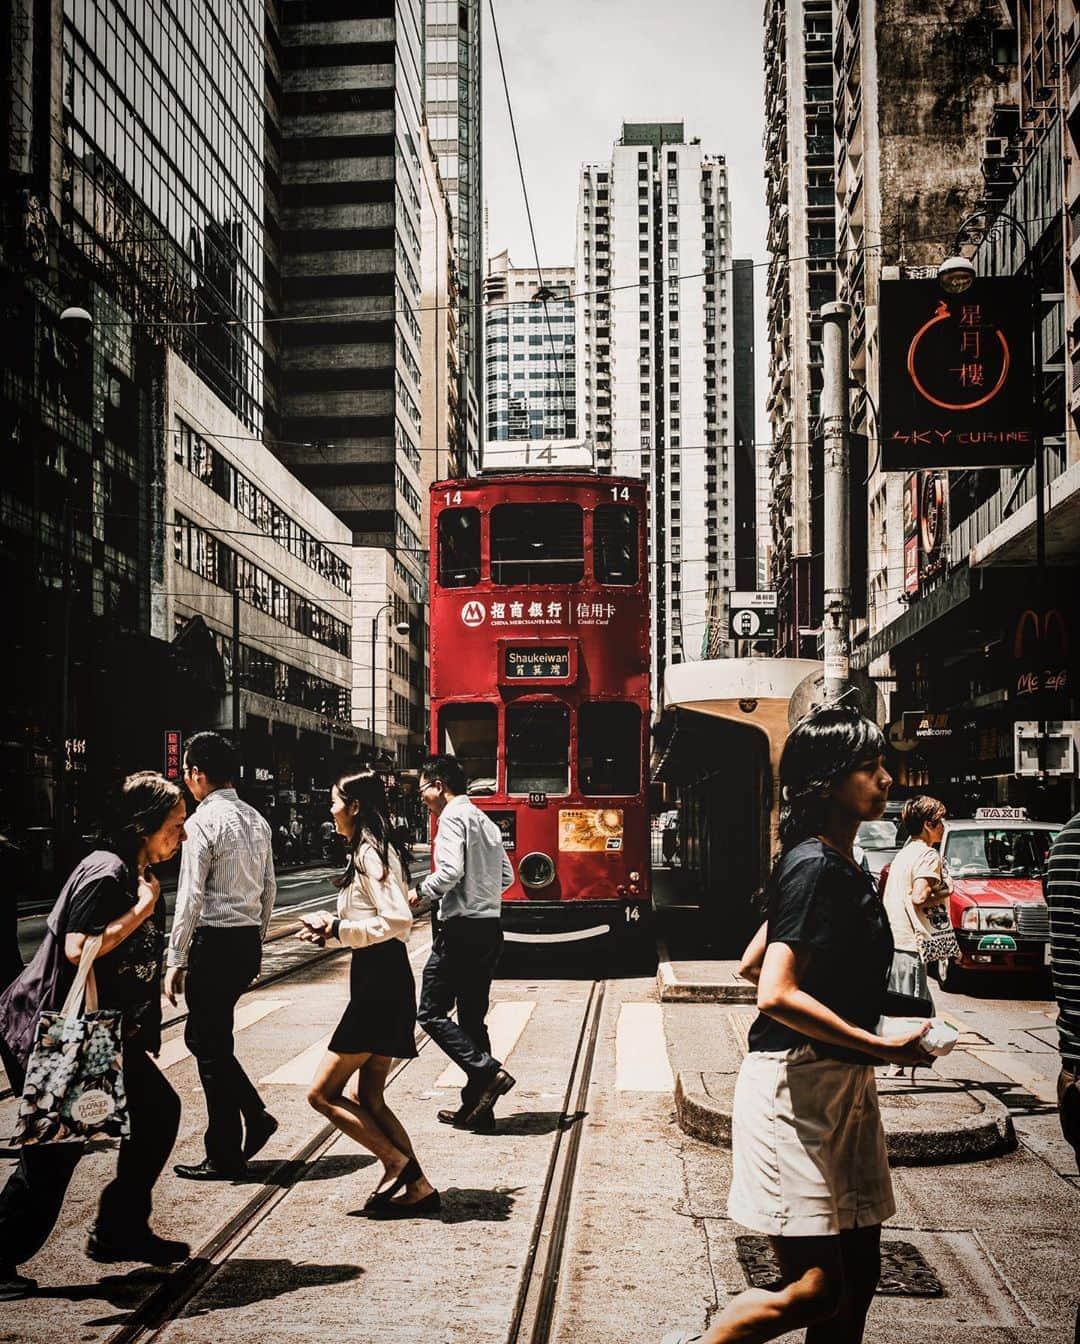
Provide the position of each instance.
(996, 862)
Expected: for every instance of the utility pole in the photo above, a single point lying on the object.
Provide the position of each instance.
(835, 421)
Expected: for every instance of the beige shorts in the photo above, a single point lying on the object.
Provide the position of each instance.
(808, 1146)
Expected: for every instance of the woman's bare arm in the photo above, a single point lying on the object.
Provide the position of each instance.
(752, 958)
(115, 933)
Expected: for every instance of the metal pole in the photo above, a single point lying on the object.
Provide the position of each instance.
(62, 820)
(835, 415)
(1040, 499)
(374, 632)
(236, 666)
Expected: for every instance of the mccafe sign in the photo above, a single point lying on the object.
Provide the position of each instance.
(1040, 649)
(956, 385)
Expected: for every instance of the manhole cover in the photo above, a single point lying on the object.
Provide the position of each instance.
(904, 1271)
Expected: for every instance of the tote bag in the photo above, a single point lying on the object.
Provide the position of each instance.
(74, 1088)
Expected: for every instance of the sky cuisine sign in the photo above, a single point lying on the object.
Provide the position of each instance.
(956, 380)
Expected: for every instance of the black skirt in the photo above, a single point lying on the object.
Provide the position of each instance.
(381, 1015)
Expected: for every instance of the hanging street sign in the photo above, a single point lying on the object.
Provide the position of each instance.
(956, 377)
(752, 615)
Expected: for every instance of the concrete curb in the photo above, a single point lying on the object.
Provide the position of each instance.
(673, 990)
(987, 1133)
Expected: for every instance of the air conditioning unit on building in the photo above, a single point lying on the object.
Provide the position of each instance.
(1059, 746)
(994, 146)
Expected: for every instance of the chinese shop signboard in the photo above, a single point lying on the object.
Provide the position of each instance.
(956, 383)
(172, 754)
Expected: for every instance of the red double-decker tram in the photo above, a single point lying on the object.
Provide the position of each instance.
(540, 686)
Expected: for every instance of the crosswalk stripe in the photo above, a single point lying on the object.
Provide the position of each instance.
(247, 1014)
(641, 1061)
(299, 1071)
(505, 1023)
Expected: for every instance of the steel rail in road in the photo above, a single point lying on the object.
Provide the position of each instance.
(534, 1310)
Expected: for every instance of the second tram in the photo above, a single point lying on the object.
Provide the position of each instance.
(540, 687)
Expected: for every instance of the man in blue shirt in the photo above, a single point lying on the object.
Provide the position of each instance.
(471, 873)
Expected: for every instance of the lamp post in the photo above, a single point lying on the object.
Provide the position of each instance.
(956, 275)
(402, 627)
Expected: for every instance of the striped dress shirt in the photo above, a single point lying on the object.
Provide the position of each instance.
(226, 872)
(1063, 898)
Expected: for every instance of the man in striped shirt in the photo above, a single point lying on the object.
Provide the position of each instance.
(1063, 897)
(224, 902)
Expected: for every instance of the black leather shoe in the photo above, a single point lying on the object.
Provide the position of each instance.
(258, 1134)
(206, 1171)
(398, 1208)
(484, 1123)
(146, 1247)
(497, 1086)
(15, 1286)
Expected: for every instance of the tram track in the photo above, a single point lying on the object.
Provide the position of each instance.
(534, 1307)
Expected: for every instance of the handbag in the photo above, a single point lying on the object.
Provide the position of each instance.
(74, 1087)
(907, 992)
(938, 947)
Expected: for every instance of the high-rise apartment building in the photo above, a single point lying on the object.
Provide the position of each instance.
(452, 102)
(344, 173)
(799, 174)
(655, 362)
(744, 438)
(529, 351)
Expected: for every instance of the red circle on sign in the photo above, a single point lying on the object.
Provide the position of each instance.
(948, 405)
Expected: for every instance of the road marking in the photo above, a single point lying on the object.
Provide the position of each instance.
(641, 1060)
(247, 1014)
(299, 1070)
(505, 1023)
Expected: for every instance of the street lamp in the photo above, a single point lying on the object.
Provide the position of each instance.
(403, 628)
(956, 275)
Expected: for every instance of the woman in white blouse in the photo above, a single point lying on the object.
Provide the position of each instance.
(379, 1024)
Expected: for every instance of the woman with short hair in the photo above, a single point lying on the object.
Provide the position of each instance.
(379, 1023)
(810, 1169)
(917, 897)
(113, 893)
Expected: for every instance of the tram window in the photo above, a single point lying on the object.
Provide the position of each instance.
(537, 748)
(537, 543)
(609, 748)
(615, 534)
(471, 733)
(459, 548)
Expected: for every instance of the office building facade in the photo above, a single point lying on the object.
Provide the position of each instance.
(529, 351)
(654, 356)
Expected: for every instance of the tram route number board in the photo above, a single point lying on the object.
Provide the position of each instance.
(752, 615)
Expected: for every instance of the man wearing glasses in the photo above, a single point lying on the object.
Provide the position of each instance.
(224, 901)
(471, 873)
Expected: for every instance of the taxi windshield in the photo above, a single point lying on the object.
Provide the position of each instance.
(877, 835)
(1016, 851)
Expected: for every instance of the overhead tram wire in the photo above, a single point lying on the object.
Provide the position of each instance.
(555, 355)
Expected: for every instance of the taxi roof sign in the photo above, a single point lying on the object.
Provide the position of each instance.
(1001, 814)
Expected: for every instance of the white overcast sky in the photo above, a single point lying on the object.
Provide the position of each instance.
(578, 69)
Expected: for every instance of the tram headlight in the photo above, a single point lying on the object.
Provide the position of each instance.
(635, 877)
(536, 870)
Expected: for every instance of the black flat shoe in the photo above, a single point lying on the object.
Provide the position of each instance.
(380, 1198)
(147, 1248)
(258, 1134)
(206, 1171)
(419, 1208)
(14, 1287)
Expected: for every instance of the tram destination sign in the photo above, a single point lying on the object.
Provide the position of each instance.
(522, 663)
(956, 376)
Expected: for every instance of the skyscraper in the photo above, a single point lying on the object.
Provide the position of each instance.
(655, 360)
(529, 351)
(799, 174)
(452, 101)
(345, 108)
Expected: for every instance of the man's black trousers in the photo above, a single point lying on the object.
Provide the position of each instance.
(221, 965)
(464, 954)
(31, 1201)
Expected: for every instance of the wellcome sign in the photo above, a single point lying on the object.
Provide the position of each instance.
(956, 381)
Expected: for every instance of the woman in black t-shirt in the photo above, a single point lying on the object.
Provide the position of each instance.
(112, 892)
(809, 1163)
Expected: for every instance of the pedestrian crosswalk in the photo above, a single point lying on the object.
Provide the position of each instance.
(247, 1014)
(641, 1058)
(505, 1023)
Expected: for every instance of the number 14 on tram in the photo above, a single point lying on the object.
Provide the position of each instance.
(540, 687)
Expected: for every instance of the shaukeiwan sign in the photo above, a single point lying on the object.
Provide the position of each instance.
(956, 381)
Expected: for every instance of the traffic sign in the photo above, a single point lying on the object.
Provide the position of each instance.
(752, 615)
